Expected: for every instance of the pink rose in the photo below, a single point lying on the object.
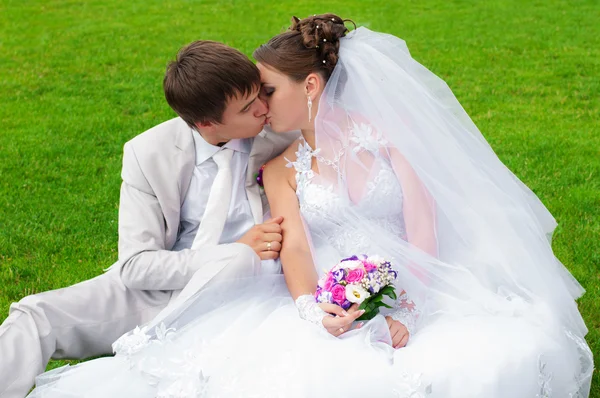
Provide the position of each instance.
(338, 293)
(328, 284)
(355, 275)
(369, 266)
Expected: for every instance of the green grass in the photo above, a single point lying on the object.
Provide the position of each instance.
(78, 79)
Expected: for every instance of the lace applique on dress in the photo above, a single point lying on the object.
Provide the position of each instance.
(366, 139)
(133, 342)
(138, 339)
(303, 165)
(586, 362)
(406, 312)
(544, 379)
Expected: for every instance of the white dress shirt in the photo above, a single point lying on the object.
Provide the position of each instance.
(239, 217)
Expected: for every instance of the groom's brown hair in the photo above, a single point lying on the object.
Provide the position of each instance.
(205, 75)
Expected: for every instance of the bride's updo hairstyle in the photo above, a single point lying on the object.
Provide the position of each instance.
(310, 45)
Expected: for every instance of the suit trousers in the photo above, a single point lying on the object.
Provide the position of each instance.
(83, 320)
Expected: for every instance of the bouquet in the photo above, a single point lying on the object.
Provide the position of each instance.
(359, 280)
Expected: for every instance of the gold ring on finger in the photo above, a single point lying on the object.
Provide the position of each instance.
(269, 246)
(341, 330)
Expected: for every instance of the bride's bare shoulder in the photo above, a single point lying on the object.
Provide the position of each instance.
(277, 167)
(281, 161)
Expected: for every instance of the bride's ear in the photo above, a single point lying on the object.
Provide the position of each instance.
(313, 85)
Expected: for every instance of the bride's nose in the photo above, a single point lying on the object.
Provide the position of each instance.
(263, 108)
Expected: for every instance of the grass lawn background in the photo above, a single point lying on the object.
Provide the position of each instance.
(80, 78)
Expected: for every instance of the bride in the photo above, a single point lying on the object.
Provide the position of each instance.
(388, 164)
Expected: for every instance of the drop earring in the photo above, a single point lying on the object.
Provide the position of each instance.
(309, 108)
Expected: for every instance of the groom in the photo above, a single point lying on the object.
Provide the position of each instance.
(189, 209)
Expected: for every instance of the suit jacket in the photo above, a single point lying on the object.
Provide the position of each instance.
(157, 170)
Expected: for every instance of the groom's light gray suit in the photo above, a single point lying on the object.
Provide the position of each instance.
(85, 319)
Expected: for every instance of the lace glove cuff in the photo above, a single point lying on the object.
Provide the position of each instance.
(309, 310)
(406, 313)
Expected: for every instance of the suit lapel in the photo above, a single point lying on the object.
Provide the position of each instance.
(262, 151)
(180, 162)
(185, 159)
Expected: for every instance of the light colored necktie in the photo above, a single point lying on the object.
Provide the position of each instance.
(217, 206)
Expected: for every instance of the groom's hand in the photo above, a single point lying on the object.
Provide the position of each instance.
(265, 239)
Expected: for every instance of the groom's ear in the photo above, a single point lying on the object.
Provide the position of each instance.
(313, 84)
(205, 125)
(206, 128)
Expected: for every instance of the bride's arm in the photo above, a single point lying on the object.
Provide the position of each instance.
(418, 206)
(419, 219)
(296, 259)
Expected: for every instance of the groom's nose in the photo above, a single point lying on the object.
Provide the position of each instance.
(262, 109)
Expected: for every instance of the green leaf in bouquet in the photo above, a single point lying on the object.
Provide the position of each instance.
(367, 316)
(382, 304)
(365, 303)
(386, 290)
(375, 299)
(370, 307)
(390, 292)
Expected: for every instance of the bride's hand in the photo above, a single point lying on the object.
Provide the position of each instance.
(340, 321)
(398, 332)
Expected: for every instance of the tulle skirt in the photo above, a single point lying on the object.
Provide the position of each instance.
(245, 339)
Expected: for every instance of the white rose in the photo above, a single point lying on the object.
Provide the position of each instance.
(375, 259)
(356, 294)
(352, 264)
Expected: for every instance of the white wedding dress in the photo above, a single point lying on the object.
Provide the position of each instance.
(245, 338)
(405, 174)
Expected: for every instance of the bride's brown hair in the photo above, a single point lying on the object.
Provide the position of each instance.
(310, 45)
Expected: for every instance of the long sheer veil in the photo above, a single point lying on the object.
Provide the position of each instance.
(478, 240)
